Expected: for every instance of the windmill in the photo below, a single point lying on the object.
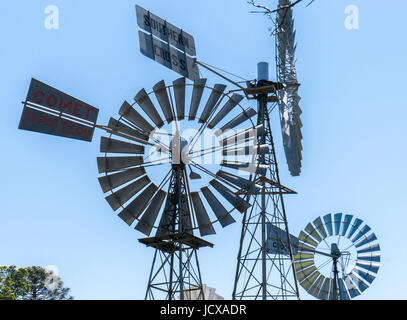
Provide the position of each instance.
(187, 200)
(337, 256)
(262, 273)
(171, 207)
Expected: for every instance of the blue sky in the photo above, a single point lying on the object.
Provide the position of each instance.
(53, 211)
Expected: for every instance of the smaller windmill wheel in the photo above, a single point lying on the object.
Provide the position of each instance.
(139, 157)
(337, 257)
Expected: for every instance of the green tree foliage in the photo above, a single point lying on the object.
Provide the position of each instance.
(14, 283)
(32, 283)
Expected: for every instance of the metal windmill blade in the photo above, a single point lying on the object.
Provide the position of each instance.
(345, 281)
(199, 86)
(288, 103)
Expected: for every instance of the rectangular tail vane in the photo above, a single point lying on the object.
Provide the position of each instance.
(50, 111)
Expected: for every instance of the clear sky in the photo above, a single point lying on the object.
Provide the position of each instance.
(354, 111)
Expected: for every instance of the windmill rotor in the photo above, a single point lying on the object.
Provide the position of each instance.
(338, 257)
(290, 110)
(127, 169)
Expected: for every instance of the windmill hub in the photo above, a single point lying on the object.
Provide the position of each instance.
(341, 250)
(335, 252)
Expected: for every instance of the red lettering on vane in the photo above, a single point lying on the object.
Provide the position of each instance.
(65, 107)
(76, 130)
(52, 101)
(63, 103)
(88, 110)
(30, 115)
(76, 110)
(45, 120)
(36, 94)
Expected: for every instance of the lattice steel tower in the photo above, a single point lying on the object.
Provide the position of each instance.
(175, 269)
(260, 273)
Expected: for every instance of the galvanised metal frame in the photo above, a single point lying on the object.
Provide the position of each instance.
(259, 274)
(176, 284)
(175, 269)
